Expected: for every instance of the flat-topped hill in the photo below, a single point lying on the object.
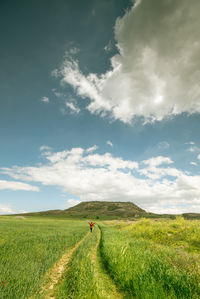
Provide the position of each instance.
(97, 209)
(106, 208)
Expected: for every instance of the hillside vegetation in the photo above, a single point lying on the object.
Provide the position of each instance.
(108, 210)
(98, 210)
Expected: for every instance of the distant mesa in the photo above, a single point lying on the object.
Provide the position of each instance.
(97, 210)
(107, 210)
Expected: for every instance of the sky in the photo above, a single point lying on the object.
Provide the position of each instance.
(99, 100)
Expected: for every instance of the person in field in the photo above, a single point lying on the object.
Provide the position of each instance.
(91, 225)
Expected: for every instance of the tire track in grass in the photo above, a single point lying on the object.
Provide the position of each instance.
(106, 288)
(55, 273)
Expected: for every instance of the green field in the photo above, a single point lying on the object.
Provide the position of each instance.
(43, 257)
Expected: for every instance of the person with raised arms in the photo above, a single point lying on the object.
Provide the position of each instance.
(91, 225)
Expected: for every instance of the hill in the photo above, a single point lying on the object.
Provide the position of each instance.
(98, 210)
(107, 210)
(191, 216)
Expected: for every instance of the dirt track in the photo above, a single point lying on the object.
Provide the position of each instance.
(104, 284)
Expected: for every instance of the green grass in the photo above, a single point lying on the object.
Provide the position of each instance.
(29, 247)
(179, 233)
(79, 281)
(86, 277)
(145, 266)
(146, 259)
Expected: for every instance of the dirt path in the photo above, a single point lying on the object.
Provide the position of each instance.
(55, 273)
(105, 285)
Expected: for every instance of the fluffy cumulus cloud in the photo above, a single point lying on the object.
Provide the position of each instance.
(156, 72)
(153, 184)
(151, 169)
(13, 185)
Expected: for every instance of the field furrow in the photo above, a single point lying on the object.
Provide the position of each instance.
(104, 284)
(86, 277)
(55, 273)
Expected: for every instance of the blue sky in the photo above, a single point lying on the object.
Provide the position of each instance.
(99, 100)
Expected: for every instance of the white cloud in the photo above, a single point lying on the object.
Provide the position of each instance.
(198, 157)
(6, 209)
(175, 208)
(88, 176)
(154, 171)
(92, 149)
(72, 107)
(12, 185)
(109, 143)
(193, 149)
(57, 93)
(107, 161)
(108, 47)
(73, 51)
(45, 148)
(157, 161)
(156, 73)
(45, 99)
(193, 163)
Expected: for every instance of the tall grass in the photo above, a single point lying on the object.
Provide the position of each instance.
(28, 248)
(147, 259)
(86, 277)
(79, 280)
(178, 233)
(145, 269)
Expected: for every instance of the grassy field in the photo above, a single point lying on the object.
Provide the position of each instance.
(29, 247)
(154, 259)
(141, 259)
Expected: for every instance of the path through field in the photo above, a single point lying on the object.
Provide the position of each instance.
(55, 273)
(103, 284)
(102, 278)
